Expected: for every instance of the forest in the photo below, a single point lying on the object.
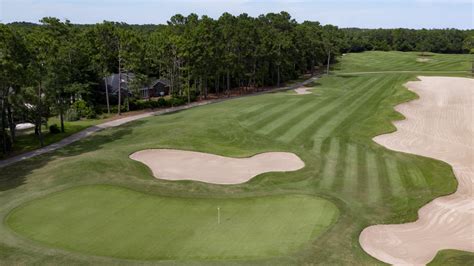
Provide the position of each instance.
(57, 68)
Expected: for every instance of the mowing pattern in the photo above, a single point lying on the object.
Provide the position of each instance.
(330, 129)
(402, 61)
(351, 170)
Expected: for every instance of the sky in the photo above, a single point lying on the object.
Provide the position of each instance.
(343, 13)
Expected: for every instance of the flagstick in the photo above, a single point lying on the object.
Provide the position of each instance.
(218, 215)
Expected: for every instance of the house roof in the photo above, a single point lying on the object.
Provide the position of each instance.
(162, 81)
(113, 81)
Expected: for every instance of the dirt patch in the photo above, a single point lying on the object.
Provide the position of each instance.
(440, 124)
(189, 165)
(302, 90)
(423, 60)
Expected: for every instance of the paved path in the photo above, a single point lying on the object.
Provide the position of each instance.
(90, 130)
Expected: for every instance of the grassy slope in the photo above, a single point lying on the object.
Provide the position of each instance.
(331, 130)
(118, 222)
(27, 141)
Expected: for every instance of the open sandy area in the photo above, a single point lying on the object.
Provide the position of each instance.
(302, 90)
(438, 125)
(189, 165)
(422, 60)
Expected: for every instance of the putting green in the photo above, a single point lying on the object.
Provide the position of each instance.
(118, 222)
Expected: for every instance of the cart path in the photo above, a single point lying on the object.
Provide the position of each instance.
(118, 122)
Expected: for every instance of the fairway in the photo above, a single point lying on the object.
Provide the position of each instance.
(90, 198)
(119, 222)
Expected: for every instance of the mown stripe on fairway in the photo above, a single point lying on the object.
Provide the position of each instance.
(345, 113)
(252, 109)
(294, 130)
(338, 183)
(330, 165)
(369, 107)
(395, 179)
(270, 115)
(362, 183)
(248, 118)
(294, 115)
(417, 177)
(373, 178)
(351, 170)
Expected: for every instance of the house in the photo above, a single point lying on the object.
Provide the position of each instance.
(113, 83)
(157, 88)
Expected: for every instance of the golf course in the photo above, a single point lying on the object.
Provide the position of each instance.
(93, 202)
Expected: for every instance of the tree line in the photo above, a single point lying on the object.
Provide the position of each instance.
(451, 41)
(56, 68)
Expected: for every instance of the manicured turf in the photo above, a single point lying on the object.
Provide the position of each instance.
(119, 222)
(330, 129)
(404, 61)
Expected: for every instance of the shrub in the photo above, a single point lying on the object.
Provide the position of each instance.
(54, 129)
(161, 103)
(72, 115)
(176, 101)
(80, 109)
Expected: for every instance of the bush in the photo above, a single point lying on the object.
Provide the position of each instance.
(140, 104)
(161, 103)
(72, 115)
(80, 109)
(136, 104)
(54, 129)
(176, 101)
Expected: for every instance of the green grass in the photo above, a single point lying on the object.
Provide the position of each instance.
(28, 141)
(330, 129)
(404, 61)
(453, 258)
(119, 222)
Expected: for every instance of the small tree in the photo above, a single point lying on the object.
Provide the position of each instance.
(423, 47)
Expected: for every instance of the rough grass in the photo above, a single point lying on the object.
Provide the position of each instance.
(27, 140)
(453, 258)
(331, 130)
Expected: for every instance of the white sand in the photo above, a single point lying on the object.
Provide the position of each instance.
(189, 165)
(423, 60)
(302, 90)
(438, 125)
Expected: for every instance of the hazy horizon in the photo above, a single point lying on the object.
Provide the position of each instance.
(414, 14)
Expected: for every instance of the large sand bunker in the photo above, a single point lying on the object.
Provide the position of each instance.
(189, 165)
(438, 125)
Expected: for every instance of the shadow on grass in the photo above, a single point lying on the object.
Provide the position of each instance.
(312, 84)
(16, 174)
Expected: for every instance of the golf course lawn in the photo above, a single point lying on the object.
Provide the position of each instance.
(92, 199)
(119, 222)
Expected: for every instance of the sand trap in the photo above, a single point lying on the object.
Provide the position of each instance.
(189, 165)
(423, 60)
(438, 125)
(302, 90)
